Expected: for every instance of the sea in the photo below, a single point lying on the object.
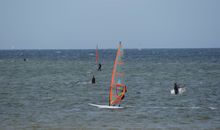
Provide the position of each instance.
(51, 90)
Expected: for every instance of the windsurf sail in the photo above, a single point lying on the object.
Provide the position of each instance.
(97, 55)
(117, 86)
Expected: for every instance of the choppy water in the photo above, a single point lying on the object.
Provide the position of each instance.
(52, 89)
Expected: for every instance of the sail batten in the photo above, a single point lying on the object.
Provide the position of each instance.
(120, 74)
(120, 63)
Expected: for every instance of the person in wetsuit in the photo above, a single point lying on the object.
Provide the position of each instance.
(100, 67)
(176, 88)
(124, 93)
(93, 79)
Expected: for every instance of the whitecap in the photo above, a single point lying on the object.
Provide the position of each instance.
(212, 108)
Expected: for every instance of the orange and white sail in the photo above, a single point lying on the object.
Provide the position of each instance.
(117, 86)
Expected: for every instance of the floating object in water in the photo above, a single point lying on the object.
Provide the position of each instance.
(93, 79)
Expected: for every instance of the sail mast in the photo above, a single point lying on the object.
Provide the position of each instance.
(97, 55)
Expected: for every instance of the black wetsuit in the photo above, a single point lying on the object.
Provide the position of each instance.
(124, 93)
(122, 97)
(176, 89)
(93, 80)
(100, 66)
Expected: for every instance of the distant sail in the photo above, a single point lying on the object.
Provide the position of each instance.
(97, 55)
(117, 82)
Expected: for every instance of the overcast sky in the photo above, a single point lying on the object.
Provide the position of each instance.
(82, 24)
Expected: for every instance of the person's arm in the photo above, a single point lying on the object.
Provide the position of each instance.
(125, 88)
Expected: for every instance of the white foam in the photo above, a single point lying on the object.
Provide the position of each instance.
(84, 83)
(160, 107)
(195, 107)
(212, 108)
(181, 91)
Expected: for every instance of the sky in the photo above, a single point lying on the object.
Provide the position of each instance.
(83, 24)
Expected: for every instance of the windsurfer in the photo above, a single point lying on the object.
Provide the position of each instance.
(100, 66)
(123, 93)
(176, 88)
(93, 79)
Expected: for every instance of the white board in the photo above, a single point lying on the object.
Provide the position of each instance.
(105, 106)
(181, 91)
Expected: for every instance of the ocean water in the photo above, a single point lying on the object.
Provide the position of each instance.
(52, 89)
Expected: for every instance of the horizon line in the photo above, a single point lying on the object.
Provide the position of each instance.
(111, 48)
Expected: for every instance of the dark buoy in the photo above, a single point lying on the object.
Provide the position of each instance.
(176, 88)
(138, 92)
(93, 79)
